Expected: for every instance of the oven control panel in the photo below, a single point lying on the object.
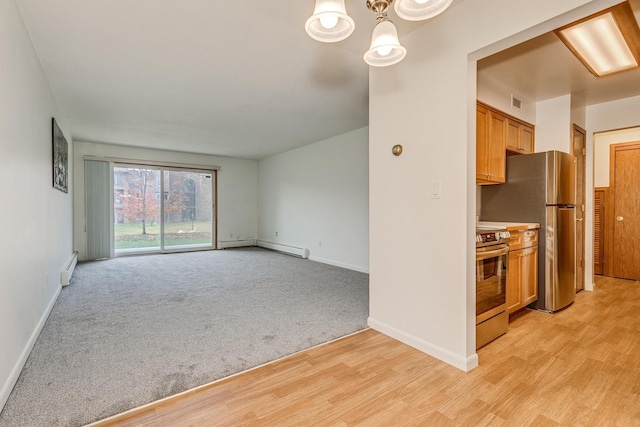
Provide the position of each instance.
(492, 237)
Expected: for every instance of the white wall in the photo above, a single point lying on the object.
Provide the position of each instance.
(498, 95)
(36, 218)
(578, 112)
(317, 197)
(422, 257)
(553, 125)
(237, 187)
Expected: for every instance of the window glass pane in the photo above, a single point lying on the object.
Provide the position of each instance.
(136, 209)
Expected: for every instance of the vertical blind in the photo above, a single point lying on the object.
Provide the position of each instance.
(97, 187)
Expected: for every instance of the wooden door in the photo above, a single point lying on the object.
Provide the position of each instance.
(579, 151)
(599, 215)
(625, 176)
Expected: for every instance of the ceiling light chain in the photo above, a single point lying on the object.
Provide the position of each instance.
(331, 23)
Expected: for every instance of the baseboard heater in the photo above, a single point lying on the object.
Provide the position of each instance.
(286, 249)
(224, 244)
(65, 275)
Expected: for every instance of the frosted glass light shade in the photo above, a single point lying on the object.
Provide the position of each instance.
(329, 22)
(419, 10)
(385, 48)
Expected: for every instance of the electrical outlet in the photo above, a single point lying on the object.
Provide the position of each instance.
(276, 234)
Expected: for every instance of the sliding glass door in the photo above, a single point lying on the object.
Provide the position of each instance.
(162, 210)
(187, 210)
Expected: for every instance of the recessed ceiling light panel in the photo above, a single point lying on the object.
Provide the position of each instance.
(605, 43)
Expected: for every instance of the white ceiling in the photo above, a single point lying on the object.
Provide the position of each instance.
(544, 68)
(243, 79)
(229, 78)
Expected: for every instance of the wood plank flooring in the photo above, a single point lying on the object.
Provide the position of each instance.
(580, 366)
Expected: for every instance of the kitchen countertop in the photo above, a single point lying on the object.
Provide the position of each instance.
(511, 226)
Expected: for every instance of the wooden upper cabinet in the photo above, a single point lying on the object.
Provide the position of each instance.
(491, 138)
(482, 142)
(519, 136)
(498, 134)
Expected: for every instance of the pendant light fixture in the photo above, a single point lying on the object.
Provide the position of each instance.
(330, 23)
(385, 47)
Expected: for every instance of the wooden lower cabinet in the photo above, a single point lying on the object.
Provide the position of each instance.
(522, 278)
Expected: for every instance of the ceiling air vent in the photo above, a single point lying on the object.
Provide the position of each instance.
(516, 103)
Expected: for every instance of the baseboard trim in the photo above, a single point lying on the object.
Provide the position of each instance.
(224, 244)
(17, 368)
(339, 264)
(284, 248)
(463, 363)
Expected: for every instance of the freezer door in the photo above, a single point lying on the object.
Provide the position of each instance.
(560, 258)
(561, 178)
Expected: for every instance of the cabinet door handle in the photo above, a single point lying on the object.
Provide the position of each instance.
(620, 219)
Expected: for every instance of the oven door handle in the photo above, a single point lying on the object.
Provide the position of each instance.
(492, 253)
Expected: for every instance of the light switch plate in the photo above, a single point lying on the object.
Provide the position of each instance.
(436, 190)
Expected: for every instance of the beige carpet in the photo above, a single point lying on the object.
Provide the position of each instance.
(131, 330)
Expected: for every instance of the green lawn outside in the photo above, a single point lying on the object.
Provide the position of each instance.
(169, 227)
(129, 236)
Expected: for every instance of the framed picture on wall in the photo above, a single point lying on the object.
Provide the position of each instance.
(60, 158)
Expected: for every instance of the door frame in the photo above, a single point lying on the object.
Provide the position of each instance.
(580, 153)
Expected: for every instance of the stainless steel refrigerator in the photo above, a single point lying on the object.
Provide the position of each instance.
(541, 188)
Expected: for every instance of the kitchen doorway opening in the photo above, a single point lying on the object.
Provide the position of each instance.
(160, 209)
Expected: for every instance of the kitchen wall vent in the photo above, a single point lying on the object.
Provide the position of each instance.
(516, 103)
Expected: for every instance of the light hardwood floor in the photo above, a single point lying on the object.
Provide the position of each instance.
(580, 366)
